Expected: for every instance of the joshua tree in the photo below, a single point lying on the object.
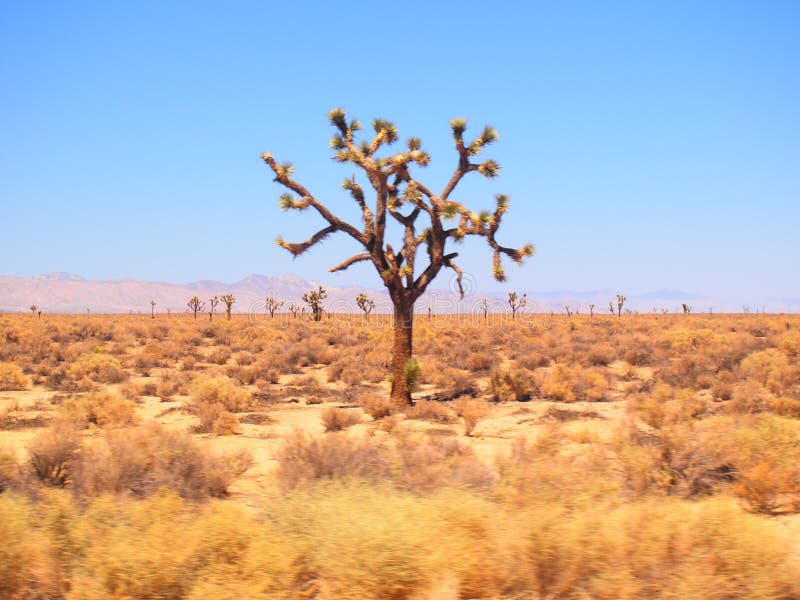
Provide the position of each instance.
(485, 308)
(152, 309)
(516, 303)
(569, 311)
(686, 308)
(195, 305)
(213, 303)
(400, 199)
(611, 307)
(228, 300)
(591, 310)
(34, 308)
(314, 300)
(365, 304)
(272, 305)
(620, 301)
(294, 309)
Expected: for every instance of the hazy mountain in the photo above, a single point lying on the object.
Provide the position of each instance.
(62, 292)
(68, 293)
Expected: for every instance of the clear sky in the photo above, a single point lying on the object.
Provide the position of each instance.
(644, 145)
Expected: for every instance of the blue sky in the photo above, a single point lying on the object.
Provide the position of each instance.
(644, 146)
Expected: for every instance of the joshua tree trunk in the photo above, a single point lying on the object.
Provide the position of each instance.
(402, 351)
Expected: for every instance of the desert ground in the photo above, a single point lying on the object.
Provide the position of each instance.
(547, 456)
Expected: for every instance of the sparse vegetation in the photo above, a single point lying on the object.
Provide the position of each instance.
(519, 438)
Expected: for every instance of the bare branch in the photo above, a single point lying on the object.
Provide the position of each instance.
(350, 261)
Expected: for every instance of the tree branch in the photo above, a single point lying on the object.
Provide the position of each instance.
(350, 261)
(298, 248)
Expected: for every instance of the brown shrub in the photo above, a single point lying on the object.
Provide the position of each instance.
(374, 405)
(12, 378)
(10, 473)
(97, 367)
(304, 459)
(511, 386)
(430, 410)
(53, 454)
(141, 460)
(423, 465)
(337, 419)
(219, 390)
(103, 409)
(472, 411)
(601, 354)
(225, 424)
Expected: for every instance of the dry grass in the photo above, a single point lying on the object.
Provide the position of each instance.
(670, 491)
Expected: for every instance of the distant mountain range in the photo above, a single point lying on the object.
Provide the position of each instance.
(69, 293)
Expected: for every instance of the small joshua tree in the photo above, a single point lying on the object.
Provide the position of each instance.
(228, 300)
(611, 308)
(272, 305)
(591, 310)
(365, 304)
(314, 300)
(568, 309)
(294, 309)
(686, 308)
(400, 199)
(152, 309)
(195, 305)
(34, 308)
(516, 303)
(484, 305)
(620, 302)
(213, 303)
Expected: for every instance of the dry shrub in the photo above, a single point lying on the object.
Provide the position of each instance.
(141, 460)
(472, 411)
(638, 355)
(749, 397)
(722, 389)
(219, 390)
(423, 465)
(219, 356)
(430, 410)
(564, 415)
(601, 354)
(28, 565)
(374, 405)
(763, 366)
(10, 473)
(791, 345)
(765, 450)
(531, 360)
(511, 386)
(225, 424)
(161, 548)
(53, 454)
(97, 367)
(12, 378)
(338, 419)
(455, 383)
(570, 384)
(303, 459)
(481, 361)
(659, 548)
(102, 409)
(785, 407)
